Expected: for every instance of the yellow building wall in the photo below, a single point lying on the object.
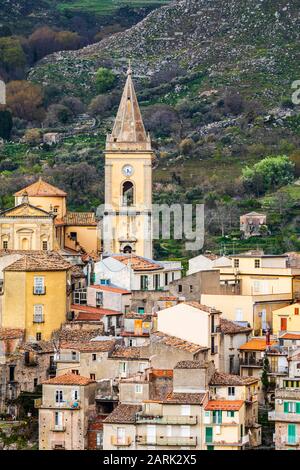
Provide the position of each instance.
(87, 237)
(293, 320)
(19, 301)
(46, 203)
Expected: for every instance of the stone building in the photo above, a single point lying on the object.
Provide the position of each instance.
(65, 409)
(251, 224)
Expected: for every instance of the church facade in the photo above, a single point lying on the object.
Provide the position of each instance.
(40, 219)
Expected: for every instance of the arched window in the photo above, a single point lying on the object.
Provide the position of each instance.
(25, 244)
(127, 249)
(127, 193)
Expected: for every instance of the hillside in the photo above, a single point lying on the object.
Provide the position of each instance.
(214, 80)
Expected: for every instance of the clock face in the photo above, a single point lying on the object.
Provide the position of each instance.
(127, 170)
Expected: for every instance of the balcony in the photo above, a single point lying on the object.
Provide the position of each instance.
(38, 319)
(167, 441)
(67, 405)
(125, 442)
(181, 420)
(251, 362)
(285, 417)
(39, 291)
(286, 393)
(242, 442)
(58, 428)
(68, 357)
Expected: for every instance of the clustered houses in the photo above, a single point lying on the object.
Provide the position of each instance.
(129, 353)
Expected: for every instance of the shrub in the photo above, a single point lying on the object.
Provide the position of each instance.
(104, 80)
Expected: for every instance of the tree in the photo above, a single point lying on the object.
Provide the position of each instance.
(264, 376)
(104, 80)
(269, 173)
(32, 136)
(6, 124)
(67, 40)
(12, 57)
(58, 114)
(100, 105)
(161, 119)
(25, 100)
(42, 42)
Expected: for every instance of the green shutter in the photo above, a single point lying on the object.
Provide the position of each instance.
(208, 435)
(286, 407)
(298, 407)
(291, 434)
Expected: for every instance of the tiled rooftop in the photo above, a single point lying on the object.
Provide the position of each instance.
(220, 378)
(224, 405)
(69, 379)
(91, 346)
(80, 218)
(256, 344)
(123, 414)
(177, 343)
(203, 308)
(185, 398)
(228, 327)
(40, 261)
(138, 263)
(189, 365)
(11, 333)
(41, 188)
(113, 289)
(130, 352)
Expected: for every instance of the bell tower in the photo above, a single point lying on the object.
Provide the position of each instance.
(127, 220)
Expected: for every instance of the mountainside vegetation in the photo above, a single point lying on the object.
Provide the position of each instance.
(215, 82)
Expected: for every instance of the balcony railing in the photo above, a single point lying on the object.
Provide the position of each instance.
(124, 442)
(68, 405)
(251, 362)
(188, 420)
(58, 428)
(286, 417)
(292, 393)
(39, 291)
(38, 318)
(167, 441)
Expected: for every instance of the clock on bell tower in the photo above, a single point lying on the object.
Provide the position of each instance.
(127, 220)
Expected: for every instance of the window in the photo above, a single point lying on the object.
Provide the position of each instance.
(39, 285)
(99, 299)
(55, 209)
(230, 414)
(143, 366)
(58, 416)
(231, 391)
(292, 436)
(191, 289)
(127, 194)
(75, 394)
(92, 376)
(185, 410)
(296, 310)
(256, 286)
(79, 296)
(156, 281)
(257, 263)
(45, 245)
(138, 388)
(144, 282)
(217, 416)
(238, 314)
(166, 279)
(75, 372)
(73, 236)
(5, 245)
(59, 396)
(99, 440)
(38, 336)
(132, 342)
(291, 407)
(94, 357)
(35, 383)
(141, 310)
(74, 355)
(123, 368)
(12, 373)
(236, 263)
(208, 435)
(120, 436)
(38, 314)
(179, 288)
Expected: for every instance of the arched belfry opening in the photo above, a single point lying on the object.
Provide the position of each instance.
(127, 250)
(128, 193)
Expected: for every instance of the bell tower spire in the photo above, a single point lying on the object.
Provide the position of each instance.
(129, 131)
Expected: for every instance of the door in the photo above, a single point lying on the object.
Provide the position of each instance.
(208, 435)
(283, 324)
(151, 434)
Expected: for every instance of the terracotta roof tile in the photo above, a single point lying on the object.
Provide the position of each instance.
(123, 414)
(189, 365)
(41, 188)
(290, 336)
(11, 333)
(203, 308)
(130, 352)
(81, 336)
(91, 346)
(69, 379)
(256, 344)
(138, 263)
(224, 405)
(220, 378)
(39, 261)
(185, 398)
(177, 343)
(97, 311)
(228, 327)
